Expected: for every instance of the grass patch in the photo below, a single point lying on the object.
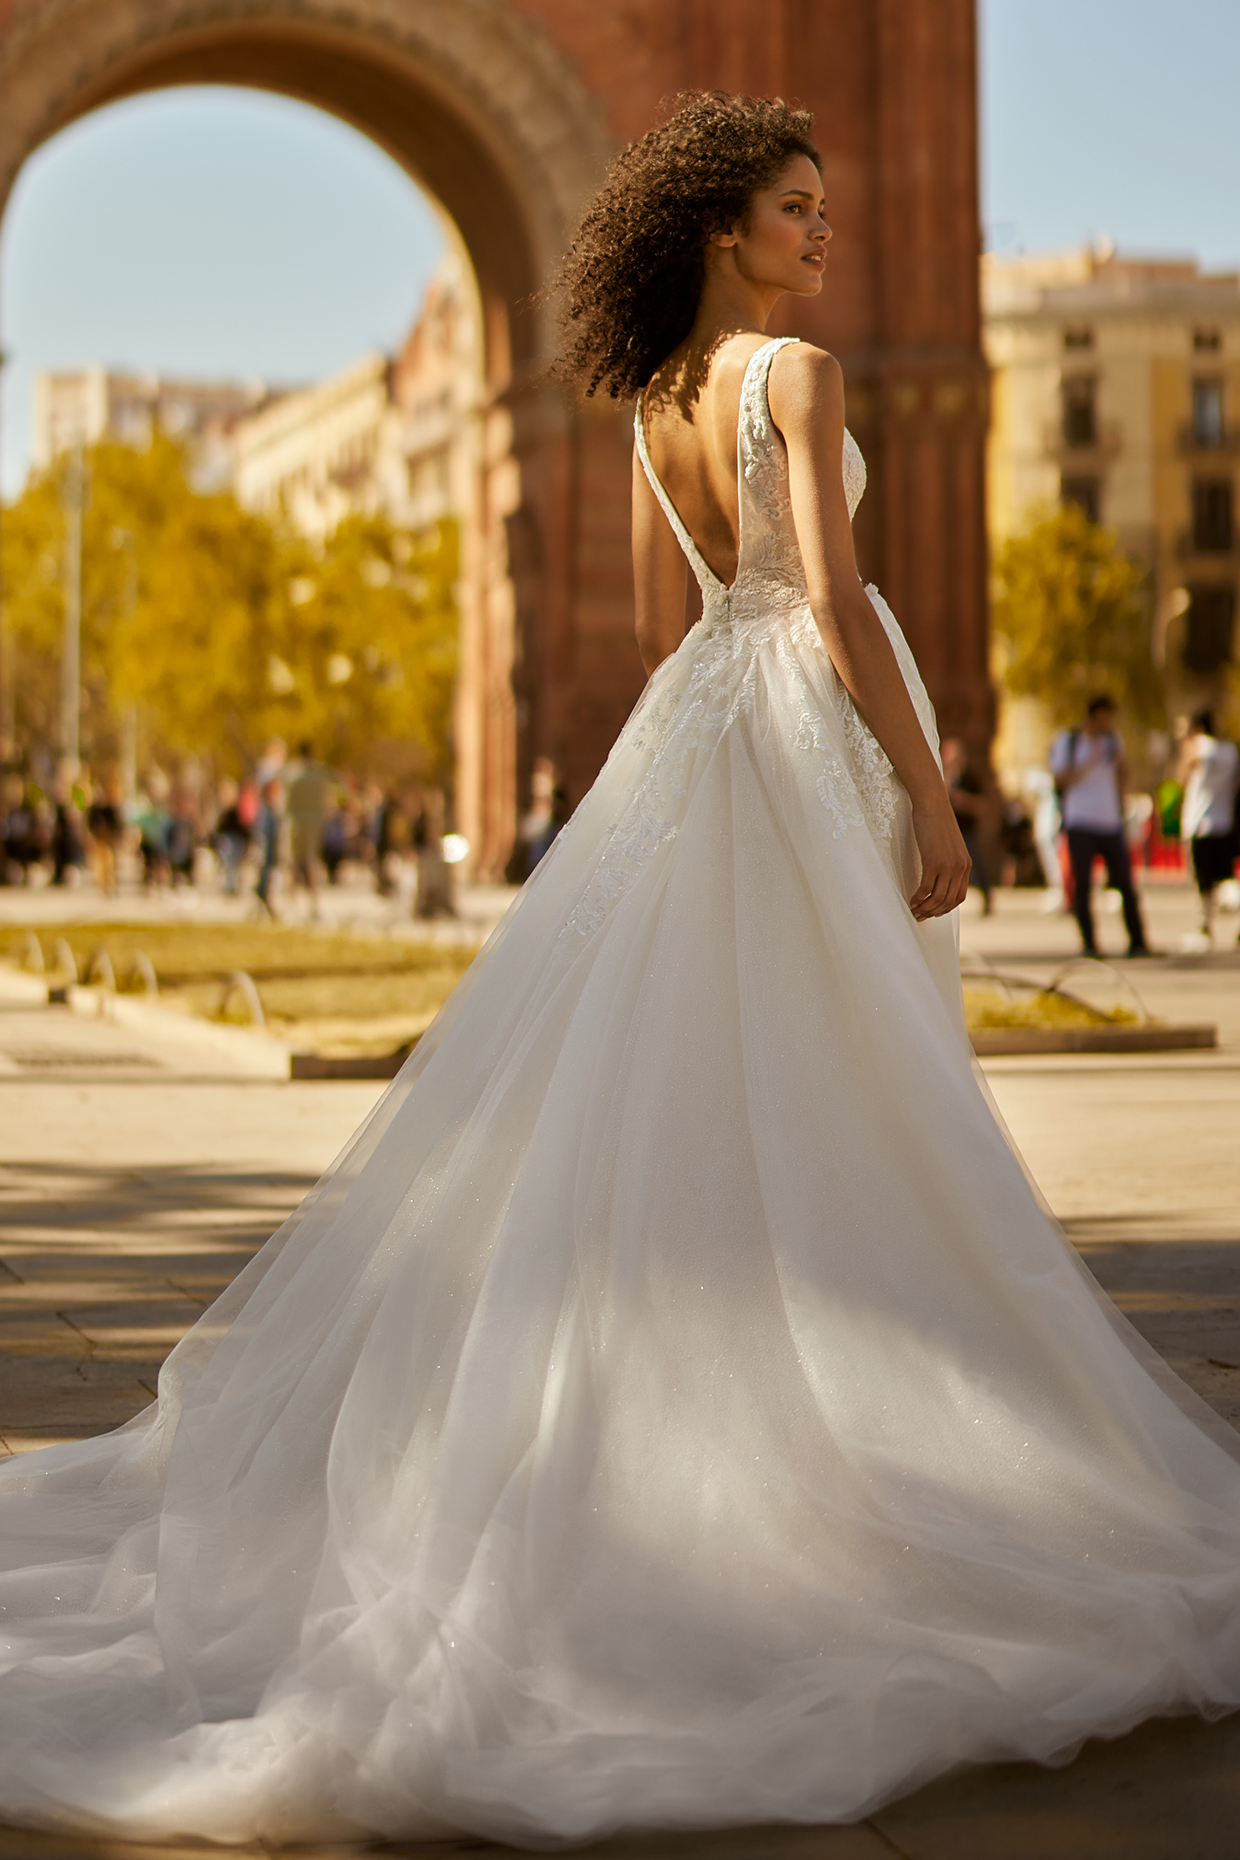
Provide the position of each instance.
(323, 991)
(986, 1006)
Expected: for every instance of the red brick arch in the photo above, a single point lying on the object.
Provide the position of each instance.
(506, 111)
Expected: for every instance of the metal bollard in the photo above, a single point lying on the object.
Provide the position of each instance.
(64, 962)
(242, 983)
(99, 969)
(142, 969)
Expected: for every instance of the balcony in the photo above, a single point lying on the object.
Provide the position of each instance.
(1191, 442)
(1075, 456)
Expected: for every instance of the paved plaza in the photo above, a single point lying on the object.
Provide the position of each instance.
(137, 1174)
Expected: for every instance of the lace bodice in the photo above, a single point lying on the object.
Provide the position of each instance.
(769, 570)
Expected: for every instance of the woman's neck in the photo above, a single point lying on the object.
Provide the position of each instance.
(730, 303)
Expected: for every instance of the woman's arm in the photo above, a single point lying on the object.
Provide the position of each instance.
(1190, 756)
(660, 575)
(806, 391)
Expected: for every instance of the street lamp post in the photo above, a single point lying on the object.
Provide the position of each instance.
(74, 500)
(126, 540)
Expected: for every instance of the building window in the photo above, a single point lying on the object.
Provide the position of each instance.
(1207, 339)
(1211, 629)
(1212, 516)
(1208, 412)
(1078, 336)
(1085, 493)
(1080, 422)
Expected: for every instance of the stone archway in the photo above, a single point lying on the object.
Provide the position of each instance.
(479, 107)
(506, 110)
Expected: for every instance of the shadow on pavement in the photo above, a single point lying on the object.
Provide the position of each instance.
(103, 1270)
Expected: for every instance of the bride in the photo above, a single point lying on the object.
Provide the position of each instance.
(675, 1409)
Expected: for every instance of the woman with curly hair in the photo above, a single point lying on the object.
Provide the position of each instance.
(675, 1410)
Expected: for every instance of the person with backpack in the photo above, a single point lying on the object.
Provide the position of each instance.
(1210, 772)
(1091, 773)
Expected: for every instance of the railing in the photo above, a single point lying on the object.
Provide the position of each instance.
(1107, 441)
(1190, 440)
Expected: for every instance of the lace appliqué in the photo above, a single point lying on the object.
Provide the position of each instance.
(684, 717)
(875, 776)
(672, 727)
(854, 473)
(835, 786)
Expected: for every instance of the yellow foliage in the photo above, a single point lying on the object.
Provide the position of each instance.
(223, 628)
(1072, 618)
(986, 1006)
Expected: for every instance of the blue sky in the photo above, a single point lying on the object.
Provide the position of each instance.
(217, 232)
(230, 232)
(1112, 117)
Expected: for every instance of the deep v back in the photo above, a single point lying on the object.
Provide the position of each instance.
(768, 558)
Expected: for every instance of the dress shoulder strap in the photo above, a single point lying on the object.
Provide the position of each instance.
(755, 413)
(760, 454)
(705, 576)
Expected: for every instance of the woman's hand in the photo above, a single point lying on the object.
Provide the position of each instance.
(945, 864)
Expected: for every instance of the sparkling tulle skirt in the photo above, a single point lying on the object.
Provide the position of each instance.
(675, 1407)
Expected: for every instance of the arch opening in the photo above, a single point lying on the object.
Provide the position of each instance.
(486, 118)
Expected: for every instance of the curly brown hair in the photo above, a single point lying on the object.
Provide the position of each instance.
(632, 278)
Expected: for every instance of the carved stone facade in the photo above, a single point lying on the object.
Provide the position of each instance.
(506, 111)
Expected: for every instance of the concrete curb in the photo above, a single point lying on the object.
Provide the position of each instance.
(255, 1054)
(991, 1041)
(258, 1055)
(359, 1066)
(18, 989)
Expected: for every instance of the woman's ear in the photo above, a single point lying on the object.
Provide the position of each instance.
(724, 238)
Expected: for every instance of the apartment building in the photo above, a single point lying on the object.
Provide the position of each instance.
(391, 435)
(1116, 386)
(80, 406)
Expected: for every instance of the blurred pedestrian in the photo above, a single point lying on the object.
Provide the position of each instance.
(14, 829)
(152, 819)
(68, 841)
(27, 832)
(271, 763)
(182, 835)
(308, 792)
(970, 806)
(105, 823)
(267, 832)
(337, 840)
(545, 817)
(1091, 773)
(1047, 826)
(1210, 771)
(230, 835)
(390, 832)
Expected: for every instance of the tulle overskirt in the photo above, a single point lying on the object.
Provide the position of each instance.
(674, 1409)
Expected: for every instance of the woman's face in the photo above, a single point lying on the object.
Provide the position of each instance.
(782, 243)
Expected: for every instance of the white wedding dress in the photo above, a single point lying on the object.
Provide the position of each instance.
(675, 1408)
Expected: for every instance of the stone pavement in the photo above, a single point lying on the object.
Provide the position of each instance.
(136, 1177)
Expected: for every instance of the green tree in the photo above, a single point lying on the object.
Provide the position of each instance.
(1071, 616)
(223, 628)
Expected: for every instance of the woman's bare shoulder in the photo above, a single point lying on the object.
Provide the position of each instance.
(806, 383)
(691, 374)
